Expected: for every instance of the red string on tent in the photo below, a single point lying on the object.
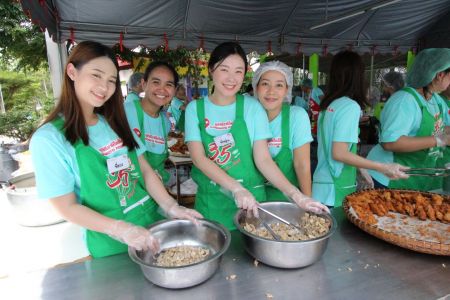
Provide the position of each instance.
(325, 50)
(72, 35)
(395, 52)
(202, 43)
(166, 43)
(269, 47)
(299, 47)
(121, 42)
(373, 49)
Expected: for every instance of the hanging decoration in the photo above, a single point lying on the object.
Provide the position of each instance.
(325, 50)
(166, 43)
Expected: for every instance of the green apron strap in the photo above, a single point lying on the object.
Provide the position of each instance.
(239, 107)
(285, 121)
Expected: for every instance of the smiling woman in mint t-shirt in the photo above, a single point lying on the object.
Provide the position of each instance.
(90, 166)
(227, 137)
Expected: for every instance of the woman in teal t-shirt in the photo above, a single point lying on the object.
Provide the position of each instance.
(290, 127)
(340, 110)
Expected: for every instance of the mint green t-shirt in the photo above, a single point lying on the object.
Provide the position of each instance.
(219, 120)
(55, 162)
(340, 125)
(401, 116)
(155, 139)
(299, 130)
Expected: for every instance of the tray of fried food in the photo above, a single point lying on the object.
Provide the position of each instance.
(415, 220)
(179, 149)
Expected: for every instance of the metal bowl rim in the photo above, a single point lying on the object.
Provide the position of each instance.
(220, 227)
(245, 232)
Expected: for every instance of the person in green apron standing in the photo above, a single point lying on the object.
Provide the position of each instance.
(445, 95)
(340, 111)
(89, 164)
(413, 121)
(289, 125)
(146, 118)
(176, 110)
(227, 138)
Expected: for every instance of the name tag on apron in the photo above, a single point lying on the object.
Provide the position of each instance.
(118, 163)
(224, 140)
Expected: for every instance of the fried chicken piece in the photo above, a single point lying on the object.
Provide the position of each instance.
(399, 208)
(447, 217)
(436, 199)
(421, 214)
(431, 213)
(409, 209)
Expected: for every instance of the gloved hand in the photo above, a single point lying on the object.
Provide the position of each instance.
(180, 212)
(394, 171)
(134, 236)
(245, 200)
(307, 203)
(367, 179)
(442, 139)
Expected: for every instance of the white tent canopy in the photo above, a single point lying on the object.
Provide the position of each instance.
(383, 26)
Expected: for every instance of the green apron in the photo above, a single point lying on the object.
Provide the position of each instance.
(446, 156)
(236, 160)
(426, 158)
(181, 121)
(283, 159)
(121, 195)
(157, 161)
(345, 183)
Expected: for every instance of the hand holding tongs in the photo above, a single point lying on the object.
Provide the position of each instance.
(281, 219)
(427, 172)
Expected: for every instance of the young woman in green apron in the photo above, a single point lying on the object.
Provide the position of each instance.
(335, 175)
(145, 117)
(227, 138)
(289, 125)
(89, 164)
(413, 121)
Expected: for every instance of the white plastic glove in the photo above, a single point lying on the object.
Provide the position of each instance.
(367, 179)
(394, 171)
(245, 200)
(307, 203)
(180, 212)
(442, 139)
(134, 236)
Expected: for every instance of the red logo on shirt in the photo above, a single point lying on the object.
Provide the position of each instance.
(137, 131)
(275, 142)
(206, 123)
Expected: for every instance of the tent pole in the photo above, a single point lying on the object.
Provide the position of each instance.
(371, 70)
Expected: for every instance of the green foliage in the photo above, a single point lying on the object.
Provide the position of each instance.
(22, 44)
(26, 102)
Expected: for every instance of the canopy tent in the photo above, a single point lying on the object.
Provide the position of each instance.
(282, 26)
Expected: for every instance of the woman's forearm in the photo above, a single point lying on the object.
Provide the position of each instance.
(410, 144)
(302, 166)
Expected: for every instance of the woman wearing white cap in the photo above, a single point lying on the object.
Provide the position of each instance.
(413, 122)
(290, 127)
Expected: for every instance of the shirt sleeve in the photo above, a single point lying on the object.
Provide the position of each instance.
(300, 127)
(192, 130)
(54, 176)
(261, 128)
(397, 117)
(347, 123)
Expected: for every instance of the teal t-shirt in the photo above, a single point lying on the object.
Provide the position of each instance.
(174, 109)
(219, 120)
(55, 162)
(300, 102)
(155, 139)
(340, 125)
(315, 94)
(400, 116)
(299, 130)
(132, 96)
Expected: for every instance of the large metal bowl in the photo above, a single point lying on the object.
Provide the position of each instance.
(173, 233)
(282, 254)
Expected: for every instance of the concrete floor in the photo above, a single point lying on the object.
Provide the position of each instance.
(26, 249)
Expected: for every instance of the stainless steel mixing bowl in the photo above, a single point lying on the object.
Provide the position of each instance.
(171, 233)
(282, 254)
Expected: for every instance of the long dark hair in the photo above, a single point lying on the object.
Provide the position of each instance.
(69, 106)
(222, 51)
(346, 78)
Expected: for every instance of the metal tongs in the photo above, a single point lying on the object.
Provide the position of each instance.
(428, 172)
(281, 219)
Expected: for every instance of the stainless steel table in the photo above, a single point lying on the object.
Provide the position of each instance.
(354, 266)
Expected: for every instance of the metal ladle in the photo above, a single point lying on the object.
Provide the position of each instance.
(281, 219)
